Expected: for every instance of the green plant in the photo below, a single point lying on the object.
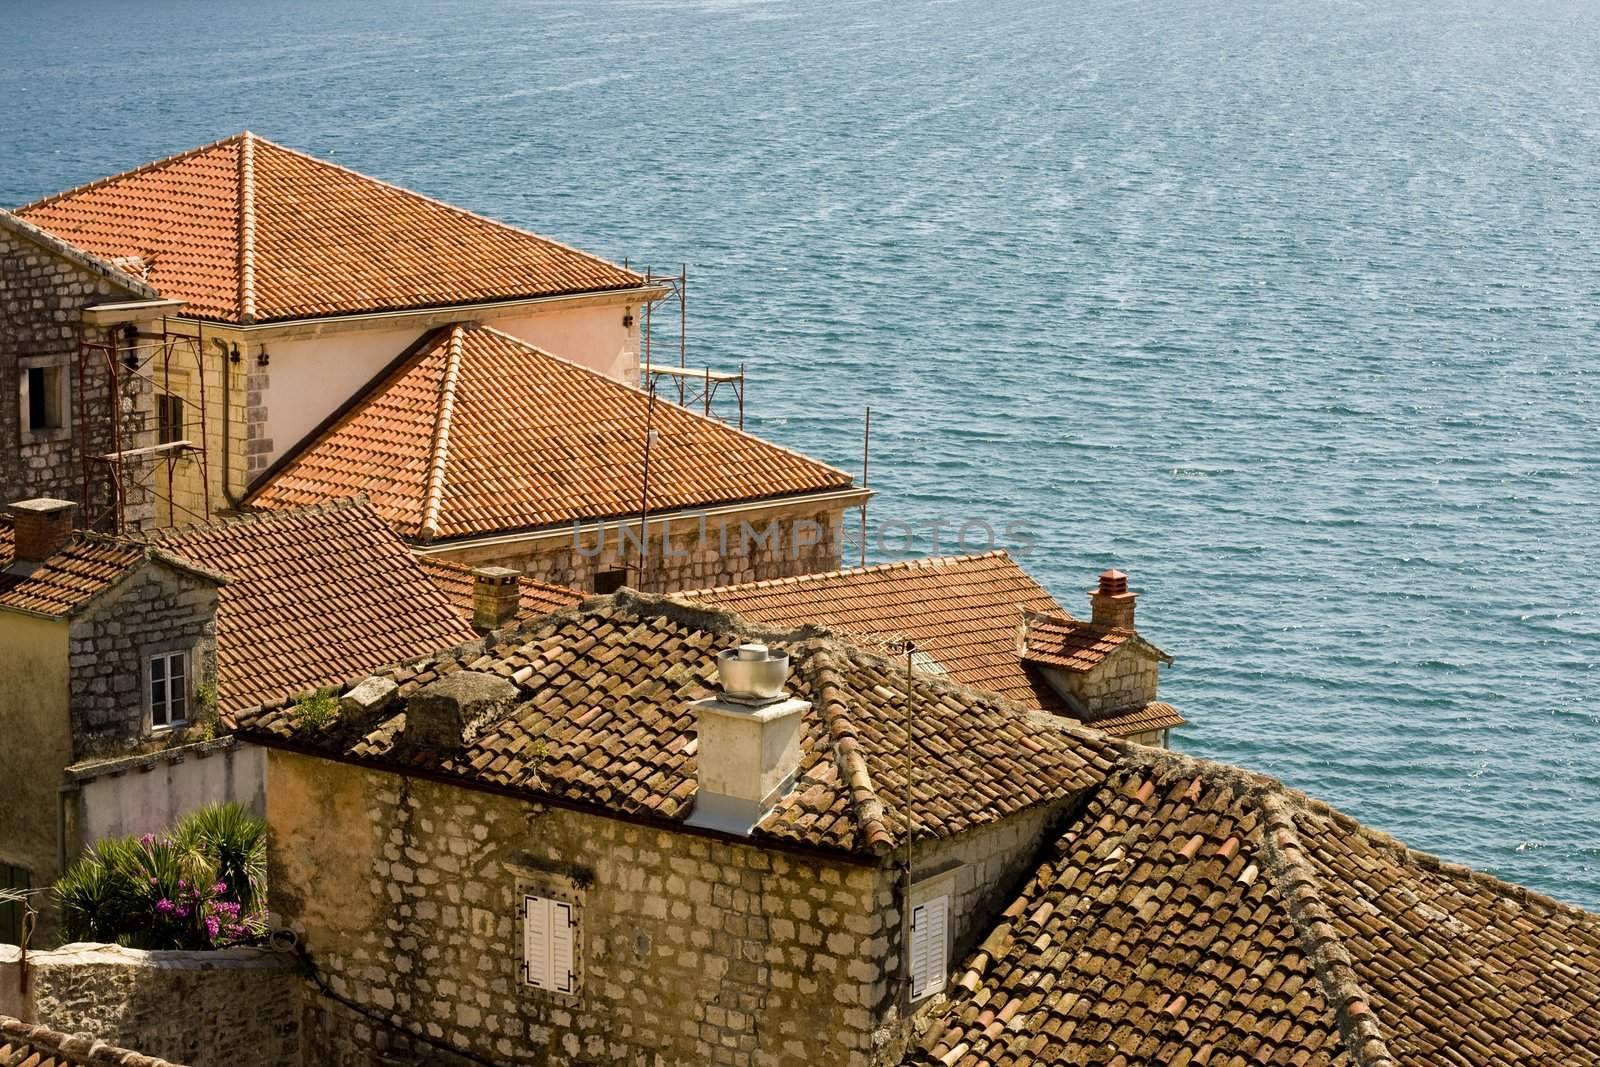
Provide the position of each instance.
(201, 886)
(314, 711)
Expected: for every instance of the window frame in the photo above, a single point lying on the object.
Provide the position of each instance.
(165, 656)
(559, 895)
(166, 431)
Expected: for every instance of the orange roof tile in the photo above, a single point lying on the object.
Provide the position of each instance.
(961, 611)
(537, 598)
(244, 230)
(605, 722)
(1073, 644)
(478, 432)
(314, 596)
(77, 573)
(1194, 913)
(33, 1045)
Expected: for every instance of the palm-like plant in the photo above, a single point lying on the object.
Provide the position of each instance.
(202, 886)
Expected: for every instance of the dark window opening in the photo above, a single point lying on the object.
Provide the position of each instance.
(169, 418)
(11, 911)
(44, 399)
(610, 581)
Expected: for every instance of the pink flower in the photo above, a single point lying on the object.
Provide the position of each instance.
(220, 888)
(165, 906)
(147, 840)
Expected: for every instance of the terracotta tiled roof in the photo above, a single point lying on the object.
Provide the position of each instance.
(77, 573)
(1073, 644)
(315, 595)
(1197, 914)
(244, 230)
(605, 723)
(538, 598)
(87, 260)
(31, 1045)
(1143, 719)
(479, 432)
(959, 610)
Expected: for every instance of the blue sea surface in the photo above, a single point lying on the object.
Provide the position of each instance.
(1289, 309)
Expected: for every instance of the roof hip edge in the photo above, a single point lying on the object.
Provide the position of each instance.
(247, 228)
(433, 501)
(864, 800)
(1301, 890)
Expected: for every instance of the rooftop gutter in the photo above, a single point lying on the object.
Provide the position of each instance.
(445, 313)
(849, 495)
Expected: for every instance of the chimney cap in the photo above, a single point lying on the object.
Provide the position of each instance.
(752, 673)
(42, 505)
(1113, 583)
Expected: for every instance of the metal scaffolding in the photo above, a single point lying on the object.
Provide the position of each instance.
(699, 387)
(130, 452)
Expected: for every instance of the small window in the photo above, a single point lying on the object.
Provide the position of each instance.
(929, 946)
(169, 690)
(169, 418)
(45, 398)
(549, 931)
(610, 581)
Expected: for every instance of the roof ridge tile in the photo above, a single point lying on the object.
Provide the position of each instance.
(247, 228)
(155, 164)
(866, 804)
(433, 501)
(927, 562)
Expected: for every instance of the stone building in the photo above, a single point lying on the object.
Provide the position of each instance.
(119, 647)
(961, 615)
(626, 833)
(481, 449)
(571, 843)
(246, 302)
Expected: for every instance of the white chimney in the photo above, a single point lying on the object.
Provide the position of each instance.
(748, 740)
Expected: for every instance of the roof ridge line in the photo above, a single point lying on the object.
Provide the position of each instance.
(1301, 892)
(448, 206)
(164, 161)
(692, 414)
(867, 806)
(247, 228)
(433, 500)
(166, 534)
(849, 572)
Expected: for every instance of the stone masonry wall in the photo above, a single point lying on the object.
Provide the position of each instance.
(1125, 678)
(779, 542)
(691, 950)
(157, 609)
(231, 1008)
(42, 293)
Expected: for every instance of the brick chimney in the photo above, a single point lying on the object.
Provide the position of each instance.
(41, 526)
(1112, 603)
(496, 596)
(747, 740)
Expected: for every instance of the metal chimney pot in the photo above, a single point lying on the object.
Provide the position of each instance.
(752, 672)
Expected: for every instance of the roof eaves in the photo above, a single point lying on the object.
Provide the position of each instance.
(87, 260)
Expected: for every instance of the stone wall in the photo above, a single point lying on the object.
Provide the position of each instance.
(42, 293)
(776, 541)
(231, 1008)
(1126, 678)
(691, 950)
(157, 609)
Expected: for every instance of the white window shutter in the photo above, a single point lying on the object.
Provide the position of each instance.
(928, 946)
(536, 941)
(561, 931)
